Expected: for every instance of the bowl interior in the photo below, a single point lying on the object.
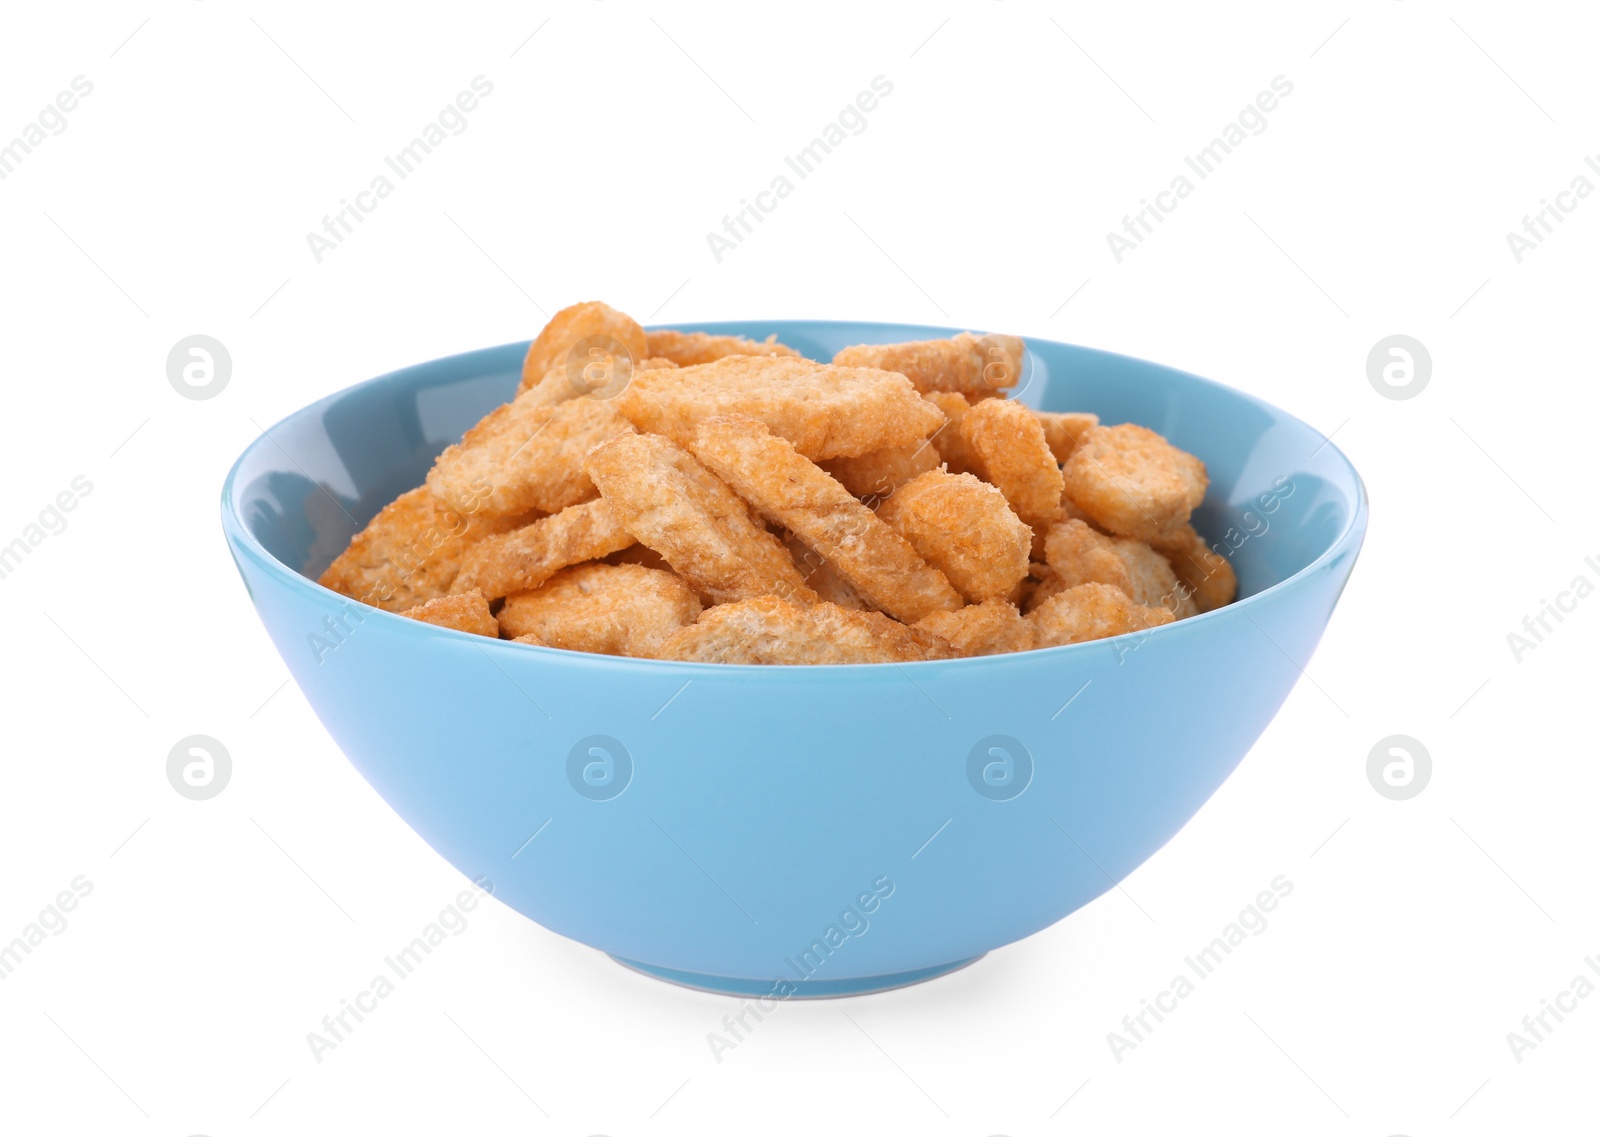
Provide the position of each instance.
(1281, 495)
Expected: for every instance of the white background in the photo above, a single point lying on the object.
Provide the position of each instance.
(218, 933)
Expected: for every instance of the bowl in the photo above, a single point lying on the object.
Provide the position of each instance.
(796, 831)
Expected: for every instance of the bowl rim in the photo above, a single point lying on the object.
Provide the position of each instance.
(243, 541)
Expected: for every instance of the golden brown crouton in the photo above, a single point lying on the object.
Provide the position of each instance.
(409, 553)
(822, 577)
(1134, 482)
(1063, 430)
(1207, 574)
(964, 528)
(825, 411)
(611, 609)
(465, 612)
(965, 363)
(991, 628)
(789, 490)
(526, 455)
(570, 327)
(687, 349)
(674, 505)
(770, 630)
(525, 558)
(947, 439)
(873, 477)
(1006, 446)
(1091, 612)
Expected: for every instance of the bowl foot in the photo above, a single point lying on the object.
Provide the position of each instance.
(797, 988)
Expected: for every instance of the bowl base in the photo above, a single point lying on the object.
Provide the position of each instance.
(799, 989)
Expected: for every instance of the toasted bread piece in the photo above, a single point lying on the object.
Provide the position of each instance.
(570, 327)
(558, 385)
(963, 363)
(637, 554)
(465, 612)
(674, 505)
(769, 630)
(525, 558)
(1043, 582)
(1064, 429)
(991, 628)
(610, 609)
(1006, 447)
(1079, 554)
(826, 411)
(1207, 574)
(947, 439)
(1091, 612)
(688, 349)
(1154, 582)
(526, 455)
(1133, 482)
(409, 553)
(964, 528)
(790, 490)
(553, 388)
(873, 477)
(822, 577)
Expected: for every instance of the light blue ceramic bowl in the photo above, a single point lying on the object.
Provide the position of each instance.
(796, 830)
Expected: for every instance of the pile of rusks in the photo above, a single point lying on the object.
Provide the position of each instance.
(684, 496)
